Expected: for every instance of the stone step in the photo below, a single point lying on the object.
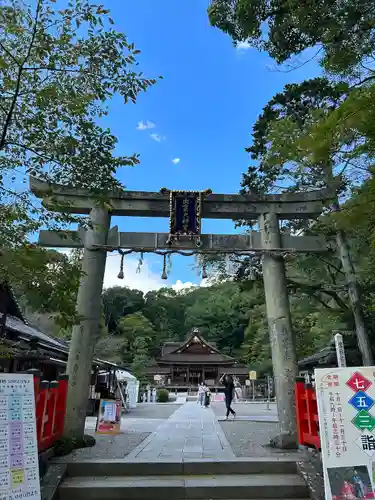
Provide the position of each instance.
(259, 465)
(175, 487)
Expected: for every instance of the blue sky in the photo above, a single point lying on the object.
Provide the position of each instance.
(203, 109)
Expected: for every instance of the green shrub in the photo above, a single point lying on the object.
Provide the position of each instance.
(162, 396)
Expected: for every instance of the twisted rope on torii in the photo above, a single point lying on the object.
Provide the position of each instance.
(165, 253)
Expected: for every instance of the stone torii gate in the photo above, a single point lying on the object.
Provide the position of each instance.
(100, 238)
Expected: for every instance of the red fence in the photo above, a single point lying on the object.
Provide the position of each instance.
(50, 406)
(307, 414)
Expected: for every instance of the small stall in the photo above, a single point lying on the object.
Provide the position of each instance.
(132, 386)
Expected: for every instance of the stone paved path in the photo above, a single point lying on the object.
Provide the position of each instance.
(191, 432)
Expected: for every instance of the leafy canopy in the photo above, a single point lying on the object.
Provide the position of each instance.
(343, 30)
(284, 119)
(60, 65)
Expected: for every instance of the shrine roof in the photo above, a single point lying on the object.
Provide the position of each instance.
(194, 349)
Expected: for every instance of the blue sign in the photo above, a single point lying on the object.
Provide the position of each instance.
(361, 401)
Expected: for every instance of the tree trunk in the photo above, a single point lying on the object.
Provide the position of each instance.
(364, 343)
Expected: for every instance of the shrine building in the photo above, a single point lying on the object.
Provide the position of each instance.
(183, 365)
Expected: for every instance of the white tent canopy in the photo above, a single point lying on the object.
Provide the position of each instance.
(132, 386)
(123, 375)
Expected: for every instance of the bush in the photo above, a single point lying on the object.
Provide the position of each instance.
(162, 396)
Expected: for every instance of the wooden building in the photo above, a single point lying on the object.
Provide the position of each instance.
(24, 347)
(183, 365)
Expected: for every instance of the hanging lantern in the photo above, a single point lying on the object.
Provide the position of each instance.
(120, 275)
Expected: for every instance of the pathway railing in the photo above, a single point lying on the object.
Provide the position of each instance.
(50, 407)
(307, 414)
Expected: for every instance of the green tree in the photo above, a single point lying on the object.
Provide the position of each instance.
(46, 281)
(59, 67)
(165, 308)
(119, 302)
(131, 328)
(140, 358)
(284, 164)
(343, 31)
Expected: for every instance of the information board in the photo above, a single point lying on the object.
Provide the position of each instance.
(253, 375)
(19, 470)
(346, 398)
(109, 417)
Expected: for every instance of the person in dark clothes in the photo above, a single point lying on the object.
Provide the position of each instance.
(207, 396)
(227, 381)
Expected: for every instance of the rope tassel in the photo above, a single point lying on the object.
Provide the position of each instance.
(164, 275)
(204, 272)
(120, 275)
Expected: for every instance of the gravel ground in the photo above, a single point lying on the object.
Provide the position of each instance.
(246, 409)
(117, 447)
(311, 468)
(152, 411)
(108, 447)
(249, 439)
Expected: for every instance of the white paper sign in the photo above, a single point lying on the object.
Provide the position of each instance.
(346, 407)
(19, 470)
(110, 411)
(340, 350)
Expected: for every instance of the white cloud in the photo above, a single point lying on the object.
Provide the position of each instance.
(179, 285)
(176, 161)
(243, 46)
(146, 280)
(157, 137)
(144, 125)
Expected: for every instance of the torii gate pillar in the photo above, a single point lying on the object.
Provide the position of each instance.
(85, 333)
(280, 330)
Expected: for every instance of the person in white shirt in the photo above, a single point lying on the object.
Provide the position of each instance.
(201, 391)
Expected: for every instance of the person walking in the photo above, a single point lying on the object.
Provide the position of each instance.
(227, 381)
(201, 393)
(207, 396)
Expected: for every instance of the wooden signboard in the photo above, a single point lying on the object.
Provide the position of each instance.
(109, 417)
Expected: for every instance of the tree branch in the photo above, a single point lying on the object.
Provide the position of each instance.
(9, 53)
(367, 79)
(313, 289)
(319, 257)
(19, 196)
(63, 70)
(19, 76)
(48, 159)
